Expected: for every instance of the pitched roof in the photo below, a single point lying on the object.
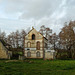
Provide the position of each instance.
(37, 31)
(31, 30)
(4, 43)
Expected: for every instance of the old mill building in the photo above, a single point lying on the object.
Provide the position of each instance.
(36, 46)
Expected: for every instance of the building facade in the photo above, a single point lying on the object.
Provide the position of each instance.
(35, 45)
(4, 52)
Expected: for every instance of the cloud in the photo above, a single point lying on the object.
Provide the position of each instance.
(52, 13)
(30, 8)
(9, 26)
(40, 8)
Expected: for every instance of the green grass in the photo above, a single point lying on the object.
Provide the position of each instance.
(37, 67)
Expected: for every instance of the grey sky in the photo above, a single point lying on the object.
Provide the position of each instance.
(21, 14)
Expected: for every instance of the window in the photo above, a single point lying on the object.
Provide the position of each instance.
(28, 49)
(33, 37)
(28, 54)
(28, 44)
(38, 45)
(38, 54)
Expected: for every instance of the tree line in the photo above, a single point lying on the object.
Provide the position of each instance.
(63, 43)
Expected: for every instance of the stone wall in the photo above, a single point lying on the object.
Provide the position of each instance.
(31, 45)
(49, 55)
(33, 54)
(3, 52)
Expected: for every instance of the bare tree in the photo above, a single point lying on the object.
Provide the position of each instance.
(16, 39)
(46, 32)
(67, 37)
(3, 35)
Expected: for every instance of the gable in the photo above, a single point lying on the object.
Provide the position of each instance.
(36, 33)
(2, 47)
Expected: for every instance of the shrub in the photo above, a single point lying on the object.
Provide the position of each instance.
(62, 57)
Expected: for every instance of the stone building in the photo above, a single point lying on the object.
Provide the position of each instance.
(4, 52)
(36, 46)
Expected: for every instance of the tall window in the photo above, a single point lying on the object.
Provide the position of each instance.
(28, 44)
(38, 45)
(33, 37)
(38, 54)
(28, 54)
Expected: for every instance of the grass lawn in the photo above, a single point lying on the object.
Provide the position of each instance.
(37, 67)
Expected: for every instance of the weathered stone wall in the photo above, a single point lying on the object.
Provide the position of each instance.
(49, 55)
(33, 54)
(33, 43)
(33, 31)
(32, 47)
(3, 52)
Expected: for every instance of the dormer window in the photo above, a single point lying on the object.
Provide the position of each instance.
(33, 37)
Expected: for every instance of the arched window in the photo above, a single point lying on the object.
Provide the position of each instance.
(38, 54)
(28, 54)
(28, 44)
(33, 37)
(38, 45)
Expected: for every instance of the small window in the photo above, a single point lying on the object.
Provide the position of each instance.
(28, 54)
(28, 44)
(28, 49)
(33, 37)
(38, 54)
(38, 45)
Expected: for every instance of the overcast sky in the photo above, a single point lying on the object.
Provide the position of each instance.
(22, 14)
